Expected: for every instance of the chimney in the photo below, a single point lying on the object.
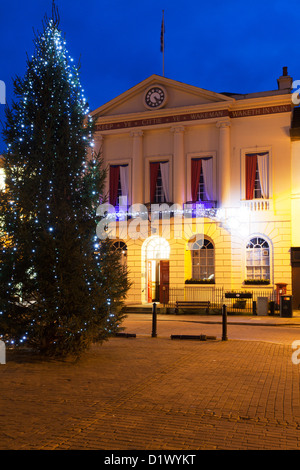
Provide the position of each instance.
(285, 81)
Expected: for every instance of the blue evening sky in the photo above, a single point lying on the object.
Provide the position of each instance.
(230, 46)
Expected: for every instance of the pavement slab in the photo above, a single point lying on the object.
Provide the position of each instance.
(147, 393)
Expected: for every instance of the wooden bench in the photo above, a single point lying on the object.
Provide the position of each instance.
(192, 304)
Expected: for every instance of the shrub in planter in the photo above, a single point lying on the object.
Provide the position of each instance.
(238, 295)
(257, 282)
(199, 281)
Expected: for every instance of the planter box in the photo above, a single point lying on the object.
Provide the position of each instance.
(192, 282)
(238, 295)
(258, 282)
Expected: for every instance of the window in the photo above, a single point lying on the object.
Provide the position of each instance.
(159, 182)
(257, 175)
(258, 259)
(122, 247)
(159, 190)
(202, 179)
(201, 194)
(257, 185)
(118, 183)
(203, 262)
(158, 248)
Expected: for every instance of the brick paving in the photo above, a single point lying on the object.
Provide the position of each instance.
(148, 393)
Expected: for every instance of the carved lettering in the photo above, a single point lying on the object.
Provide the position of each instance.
(260, 111)
(194, 117)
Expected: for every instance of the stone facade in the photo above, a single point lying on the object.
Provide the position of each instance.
(191, 123)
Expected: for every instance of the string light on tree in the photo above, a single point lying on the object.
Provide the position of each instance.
(54, 287)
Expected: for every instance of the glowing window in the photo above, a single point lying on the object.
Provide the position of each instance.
(158, 248)
(119, 245)
(258, 259)
(203, 260)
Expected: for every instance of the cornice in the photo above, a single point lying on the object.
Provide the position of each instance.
(263, 101)
(202, 108)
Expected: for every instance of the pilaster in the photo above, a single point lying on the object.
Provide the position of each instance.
(178, 165)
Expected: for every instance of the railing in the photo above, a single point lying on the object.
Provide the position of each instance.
(199, 209)
(204, 204)
(191, 293)
(258, 204)
(157, 210)
(216, 296)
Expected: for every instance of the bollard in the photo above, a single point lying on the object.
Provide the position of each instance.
(154, 334)
(2, 353)
(224, 323)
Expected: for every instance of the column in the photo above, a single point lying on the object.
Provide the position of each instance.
(99, 143)
(223, 164)
(137, 167)
(98, 149)
(179, 181)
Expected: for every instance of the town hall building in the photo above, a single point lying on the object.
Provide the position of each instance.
(203, 189)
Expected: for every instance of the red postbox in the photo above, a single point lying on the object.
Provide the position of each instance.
(280, 290)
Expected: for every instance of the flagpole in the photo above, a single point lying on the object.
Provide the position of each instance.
(162, 41)
(164, 44)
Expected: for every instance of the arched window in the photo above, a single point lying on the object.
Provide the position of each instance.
(158, 248)
(203, 260)
(258, 259)
(119, 245)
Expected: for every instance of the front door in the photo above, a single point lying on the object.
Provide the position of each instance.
(164, 282)
(296, 287)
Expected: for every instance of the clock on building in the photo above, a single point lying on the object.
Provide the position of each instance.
(155, 97)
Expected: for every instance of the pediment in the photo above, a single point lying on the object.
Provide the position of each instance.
(178, 95)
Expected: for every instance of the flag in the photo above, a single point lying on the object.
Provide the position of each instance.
(162, 35)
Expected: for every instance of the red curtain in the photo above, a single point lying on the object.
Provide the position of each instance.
(154, 167)
(114, 174)
(195, 178)
(251, 162)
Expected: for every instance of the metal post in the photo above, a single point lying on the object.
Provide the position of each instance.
(154, 334)
(224, 323)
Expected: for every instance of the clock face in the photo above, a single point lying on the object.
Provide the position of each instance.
(155, 97)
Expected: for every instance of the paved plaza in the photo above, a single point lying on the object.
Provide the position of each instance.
(144, 393)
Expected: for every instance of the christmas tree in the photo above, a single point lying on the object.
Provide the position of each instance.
(60, 290)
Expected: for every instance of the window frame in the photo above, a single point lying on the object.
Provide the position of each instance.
(157, 159)
(196, 255)
(260, 266)
(159, 191)
(199, 155)
(255, 150)
(121, 162)
(122, 246)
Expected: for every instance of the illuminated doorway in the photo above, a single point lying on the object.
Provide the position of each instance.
(156, 252)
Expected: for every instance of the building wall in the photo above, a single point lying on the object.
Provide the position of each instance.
(227, 139)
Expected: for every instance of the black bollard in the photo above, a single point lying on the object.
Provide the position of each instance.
(154, 334)
(224, 323)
